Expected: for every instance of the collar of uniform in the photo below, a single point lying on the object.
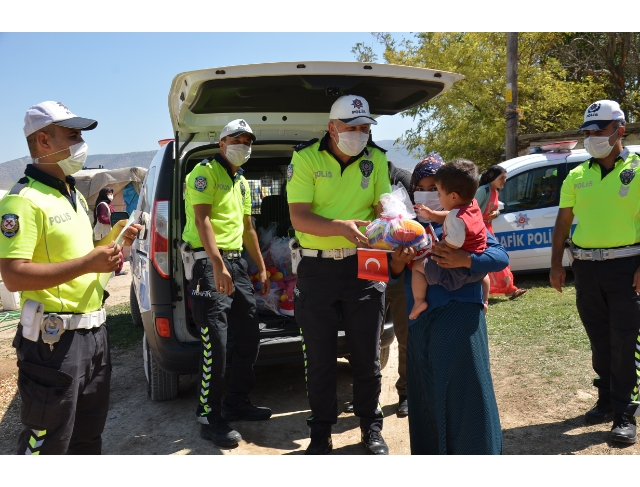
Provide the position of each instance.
(49, 180)
(324, 146)
(621, 157)
(223, 162)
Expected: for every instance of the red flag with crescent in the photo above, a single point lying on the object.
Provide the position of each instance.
(372, 265)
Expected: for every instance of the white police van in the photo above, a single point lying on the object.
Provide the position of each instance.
(529, 204)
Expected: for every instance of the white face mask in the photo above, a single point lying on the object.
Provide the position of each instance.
(352, 143)
(429, 199)
(237, 154)
(110, 196)
(74, 162)
(598, 147)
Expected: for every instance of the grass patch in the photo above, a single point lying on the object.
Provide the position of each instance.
(123, 333)
(540, 334)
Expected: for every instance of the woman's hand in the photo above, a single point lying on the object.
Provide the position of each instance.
(448, 257)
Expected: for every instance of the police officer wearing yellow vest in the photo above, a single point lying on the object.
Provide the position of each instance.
(604, 194)
(334, 187)
(218, 210)
(47, 252)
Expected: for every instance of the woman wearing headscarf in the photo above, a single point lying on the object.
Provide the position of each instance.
(491, 180)
(102, 220)
(449, 385)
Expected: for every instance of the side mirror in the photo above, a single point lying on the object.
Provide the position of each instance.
(116, 216)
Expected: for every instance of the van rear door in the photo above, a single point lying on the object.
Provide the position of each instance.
(291, 101)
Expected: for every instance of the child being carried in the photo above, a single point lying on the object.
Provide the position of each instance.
(463, 228)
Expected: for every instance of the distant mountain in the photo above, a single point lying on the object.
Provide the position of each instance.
(13, 170)
(398, 154)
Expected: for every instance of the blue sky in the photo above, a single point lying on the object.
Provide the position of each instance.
(123, 79)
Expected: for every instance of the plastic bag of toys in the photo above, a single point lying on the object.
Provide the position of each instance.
(396, 226)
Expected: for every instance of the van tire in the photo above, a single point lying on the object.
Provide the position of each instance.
(161, 385)
(384, 357)
(136, 317)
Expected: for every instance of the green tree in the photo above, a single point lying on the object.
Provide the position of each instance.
(611, 58)
(469, 120)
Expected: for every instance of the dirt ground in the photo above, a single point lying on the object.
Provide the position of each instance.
(535, 420)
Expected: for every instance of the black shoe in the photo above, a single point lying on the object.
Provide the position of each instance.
(245, 411)
(602, 412)
(403, 407)
(624, 429)
(321, 444)
(374, 442)
(349, 407)
(221, 434)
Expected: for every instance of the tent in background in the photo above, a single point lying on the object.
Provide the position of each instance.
(126, 183)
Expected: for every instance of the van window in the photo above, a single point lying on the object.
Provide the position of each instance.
(530, 190)
(267, 184)
(146, 194)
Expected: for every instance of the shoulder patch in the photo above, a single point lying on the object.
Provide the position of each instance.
(22, 182)
(304, 145)
(200, 183)
(289, 172)
(627, 176)
(10, 225)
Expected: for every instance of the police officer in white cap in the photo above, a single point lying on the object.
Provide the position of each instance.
(47, 252)
(218, 210)
(604, 194)
(334, 188)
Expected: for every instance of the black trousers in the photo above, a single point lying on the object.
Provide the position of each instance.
(216, 315)
(64, 392)
(329, 294)
(610, 311)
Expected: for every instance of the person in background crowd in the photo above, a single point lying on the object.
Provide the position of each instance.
(491, 180)
(102, 221)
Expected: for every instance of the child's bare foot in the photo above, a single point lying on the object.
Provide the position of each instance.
(417, 309)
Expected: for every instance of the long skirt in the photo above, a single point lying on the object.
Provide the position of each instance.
(453, 405)
(501, 282)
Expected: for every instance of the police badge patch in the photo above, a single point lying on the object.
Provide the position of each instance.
(243, 190)
(200, 183)
(366, 168)
(10, 225)
(289, 172)
(627, 176)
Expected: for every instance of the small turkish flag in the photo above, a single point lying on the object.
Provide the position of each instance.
(372, 265)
